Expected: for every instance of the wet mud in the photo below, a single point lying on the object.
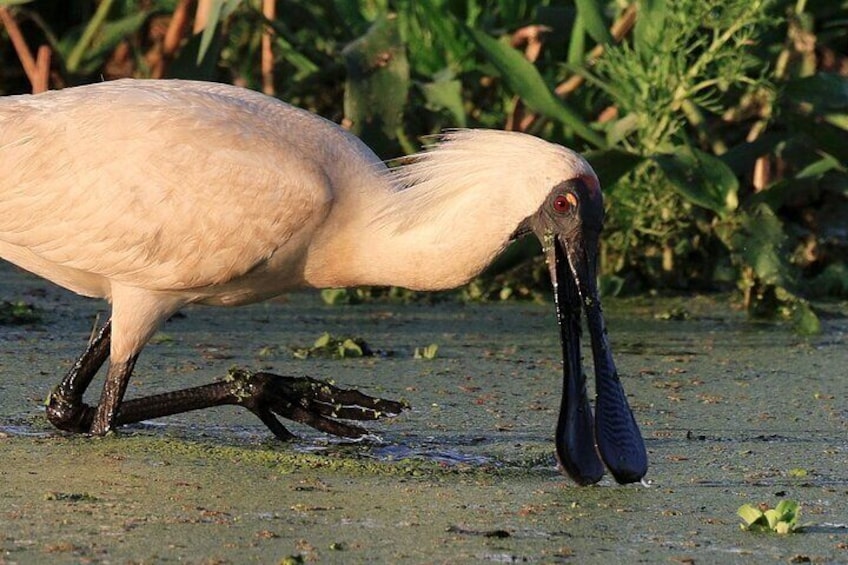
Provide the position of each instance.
(733, 412)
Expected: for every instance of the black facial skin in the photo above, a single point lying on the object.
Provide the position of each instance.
(570, 237)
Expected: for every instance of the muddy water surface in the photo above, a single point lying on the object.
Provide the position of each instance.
(733, 412)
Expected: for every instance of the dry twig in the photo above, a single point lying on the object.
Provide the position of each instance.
(269, 11)
(619, 29)
(28, 62)
(177, 28)
(42, 70)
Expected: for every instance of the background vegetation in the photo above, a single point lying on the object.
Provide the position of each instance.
(718, 127)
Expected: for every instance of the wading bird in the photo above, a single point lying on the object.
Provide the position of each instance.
(158, 194)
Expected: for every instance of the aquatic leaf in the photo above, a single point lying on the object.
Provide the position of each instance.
(322, 341)
(334, 296)
(773, 517)
(749, 514)
(18, 313)
(759, 243)
(328, 346)
(300, 353)
(702, 178)
(789, 510)
(161, 337)
(350, 348)
(522, 78)
(783, 519)
(426, 352)
(783, 528)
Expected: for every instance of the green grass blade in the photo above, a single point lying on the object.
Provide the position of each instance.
(77, 53)
(219, 11)
(591, 13)
(577, 42)
(522, 78)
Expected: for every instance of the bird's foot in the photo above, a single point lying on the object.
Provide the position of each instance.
(306, 400)
(68, 414)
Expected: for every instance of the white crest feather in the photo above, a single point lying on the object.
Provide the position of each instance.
(508, 172)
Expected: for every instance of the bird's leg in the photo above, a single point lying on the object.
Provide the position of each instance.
(113, 393)
(302, 399)
(65, 408)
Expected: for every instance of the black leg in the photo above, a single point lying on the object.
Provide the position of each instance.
(65, 408)
(301, 399)
(114, 389)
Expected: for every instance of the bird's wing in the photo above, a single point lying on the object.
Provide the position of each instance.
(152, 191)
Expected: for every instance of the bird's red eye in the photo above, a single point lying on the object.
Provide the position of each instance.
(565, 202)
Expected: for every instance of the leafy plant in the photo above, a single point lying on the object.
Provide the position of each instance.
(336, 347)
(426, 352)
(18, 313)
(677, 99)
(783, 519)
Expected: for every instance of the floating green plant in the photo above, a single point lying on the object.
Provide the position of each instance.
(339, 347)
(18, 313)
(426, 352)
(782, 519)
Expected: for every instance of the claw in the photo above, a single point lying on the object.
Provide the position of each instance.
(306, 400)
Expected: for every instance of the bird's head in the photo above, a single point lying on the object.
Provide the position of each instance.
(503, 185)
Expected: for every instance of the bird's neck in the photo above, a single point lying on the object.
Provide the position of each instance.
(384, 244)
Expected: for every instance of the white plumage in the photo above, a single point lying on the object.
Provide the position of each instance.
(155, 194)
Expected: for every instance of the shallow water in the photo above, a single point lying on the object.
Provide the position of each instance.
(732, 411)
